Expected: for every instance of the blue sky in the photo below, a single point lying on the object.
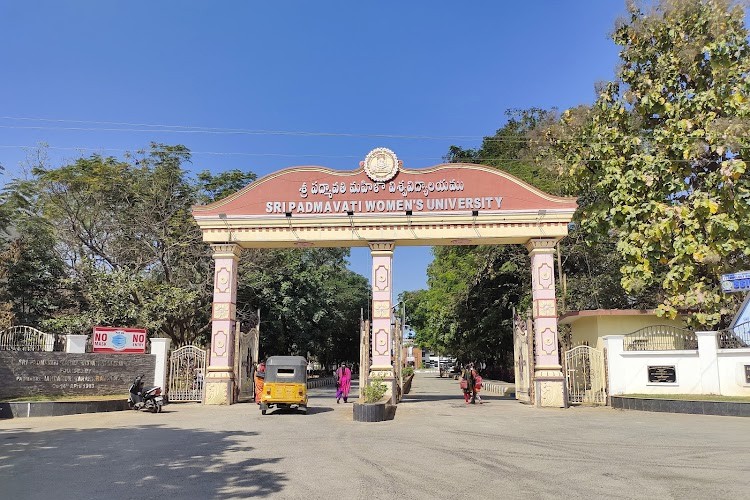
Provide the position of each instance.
(345, 71)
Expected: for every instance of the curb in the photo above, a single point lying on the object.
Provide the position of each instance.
(320, 382)
(724, 408)
(57, 408)
(501, 388)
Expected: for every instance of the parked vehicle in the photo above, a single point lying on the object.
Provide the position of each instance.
(285, 385)
(150, 399)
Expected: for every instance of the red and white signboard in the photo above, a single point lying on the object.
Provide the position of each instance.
(119, 340)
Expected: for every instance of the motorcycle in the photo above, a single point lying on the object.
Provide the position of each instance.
(151, 399)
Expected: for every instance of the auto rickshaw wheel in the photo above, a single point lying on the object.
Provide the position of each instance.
(303, 409)
(263, 408)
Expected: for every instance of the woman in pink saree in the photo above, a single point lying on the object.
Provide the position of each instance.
(344, 382)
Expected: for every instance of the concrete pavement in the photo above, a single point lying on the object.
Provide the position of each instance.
(437, 447)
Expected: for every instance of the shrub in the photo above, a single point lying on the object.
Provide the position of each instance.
(407, 371)
(375, 390)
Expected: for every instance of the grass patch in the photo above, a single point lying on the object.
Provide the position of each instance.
(37, 399)
(690, 397)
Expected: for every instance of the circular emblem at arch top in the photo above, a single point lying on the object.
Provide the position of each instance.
(381, 164)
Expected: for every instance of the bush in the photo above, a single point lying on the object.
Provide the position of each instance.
(374, 391)
(407, 371)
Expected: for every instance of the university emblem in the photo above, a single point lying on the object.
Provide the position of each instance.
(381, 164)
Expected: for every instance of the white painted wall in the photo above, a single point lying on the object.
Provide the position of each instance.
(732, 371)
(706, 370)
(160, 349)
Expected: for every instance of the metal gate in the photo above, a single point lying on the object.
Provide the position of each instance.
(245, 359)
(187, 370)
(523, 348)
(584, 373)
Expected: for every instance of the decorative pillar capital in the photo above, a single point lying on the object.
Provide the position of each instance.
(541, 245)
(381, 247)
(226, 250)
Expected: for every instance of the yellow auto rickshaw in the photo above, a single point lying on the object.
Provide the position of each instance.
(285, 385)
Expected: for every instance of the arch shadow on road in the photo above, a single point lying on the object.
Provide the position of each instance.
(155, 461)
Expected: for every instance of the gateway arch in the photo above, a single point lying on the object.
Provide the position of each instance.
(381, 205)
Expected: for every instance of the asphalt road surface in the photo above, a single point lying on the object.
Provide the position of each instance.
(436, 448)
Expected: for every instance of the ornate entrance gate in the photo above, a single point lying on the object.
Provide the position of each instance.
(187, 370)
(382, 205)
(584, 373)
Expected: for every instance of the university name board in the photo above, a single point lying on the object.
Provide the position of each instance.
(382, 206)
(383, 187)
(119, 340)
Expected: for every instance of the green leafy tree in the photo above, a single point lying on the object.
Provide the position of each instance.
(659, 160)
(467, 309)
(309, 301)
(214, 187)
(508, 149)
(125, 230)
(33, 274)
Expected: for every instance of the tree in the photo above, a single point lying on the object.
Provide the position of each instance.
(32, 273)
(309, 301)
(659, 160)
(467, 309)
(508, 149)
(221, 185)
(126, 233)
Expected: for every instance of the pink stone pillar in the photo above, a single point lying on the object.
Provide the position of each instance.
(549, 382)
(382, 296)
(220, 376)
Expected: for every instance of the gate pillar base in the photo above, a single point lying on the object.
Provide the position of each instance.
(386, 372)
(550, 389)
(389, 379)
(219, 386)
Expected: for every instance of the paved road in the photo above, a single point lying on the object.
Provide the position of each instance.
(436, 447)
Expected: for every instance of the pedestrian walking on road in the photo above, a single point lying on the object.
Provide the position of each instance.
(477, 385)
(260, 376)
(343, 383)
(467, 384)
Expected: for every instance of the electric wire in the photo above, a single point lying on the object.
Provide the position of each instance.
(297, 155)
(113, 126)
